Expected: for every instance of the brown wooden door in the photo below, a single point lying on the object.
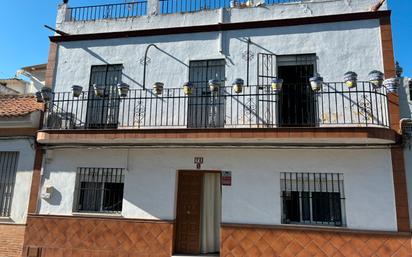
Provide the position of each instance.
(188, 212)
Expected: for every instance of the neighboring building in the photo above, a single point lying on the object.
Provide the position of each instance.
(16, 86)
(248, 170)
(405, 103)
(19, 121)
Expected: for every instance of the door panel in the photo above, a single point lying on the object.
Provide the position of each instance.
(205, 108)
(103, 111)
(188, 213)
(297, 102)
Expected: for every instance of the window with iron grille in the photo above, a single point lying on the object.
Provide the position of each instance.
(8, 169)
(99, 190)
(313, 198)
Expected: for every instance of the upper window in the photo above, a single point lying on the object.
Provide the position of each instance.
(99, 190)
(313, 198)
(8, 169)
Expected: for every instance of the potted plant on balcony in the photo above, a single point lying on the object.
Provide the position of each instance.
(391, 84)
(158, 88)
(238, 85)
(77, 90)
(46, 93)
(123, 89)
(316, 82)
(277, 84)
(187, 88)
(98, 89)
(214, 85)
(376, 78)
(351, 79)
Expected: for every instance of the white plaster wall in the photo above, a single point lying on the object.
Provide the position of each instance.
(339, 47)
(305, 8)
(253, 198)
(21, 193)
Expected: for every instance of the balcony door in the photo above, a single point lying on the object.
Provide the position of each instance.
(296, 100)
(206, 109)
(103, 111)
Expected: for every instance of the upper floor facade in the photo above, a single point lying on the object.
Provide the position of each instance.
(221, 69)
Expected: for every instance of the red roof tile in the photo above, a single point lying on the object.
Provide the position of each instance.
(18, 105)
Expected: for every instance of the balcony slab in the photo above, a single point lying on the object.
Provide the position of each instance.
(223, 136)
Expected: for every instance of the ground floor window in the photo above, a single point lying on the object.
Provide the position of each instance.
(99, 190)
(312, 198)
(8, 169)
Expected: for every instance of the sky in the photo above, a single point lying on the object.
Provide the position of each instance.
(24, 40)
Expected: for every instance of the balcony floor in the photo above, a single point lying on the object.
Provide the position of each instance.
(216, 137)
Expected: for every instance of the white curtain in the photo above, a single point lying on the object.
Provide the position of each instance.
(211, 213)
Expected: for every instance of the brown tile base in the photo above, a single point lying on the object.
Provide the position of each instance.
(240, 241)
(58, 236)
(11, 240)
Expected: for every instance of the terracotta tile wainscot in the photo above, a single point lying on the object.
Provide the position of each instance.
(284, 241)
(91, 236)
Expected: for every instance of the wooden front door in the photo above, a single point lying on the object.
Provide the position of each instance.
(189, 195)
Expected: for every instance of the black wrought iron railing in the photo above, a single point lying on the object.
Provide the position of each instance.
(108, 11)
(176, 6)
(255, 107)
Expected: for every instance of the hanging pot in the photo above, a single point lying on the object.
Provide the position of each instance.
(46, 93)
(238, 85)
(391, 85)
(77, 90)
(316, 83)
(187, 88)
(99, 90)
(277, 84)
(158, 88)
(123, 89)
(351, 79)
(214, 85)
(376, 78)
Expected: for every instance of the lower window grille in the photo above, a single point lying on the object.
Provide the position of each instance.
(313, 198)
(8, 170)
(99, 190)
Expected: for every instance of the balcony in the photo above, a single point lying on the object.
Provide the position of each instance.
(254, 107)
(140, 8)
(336, 109)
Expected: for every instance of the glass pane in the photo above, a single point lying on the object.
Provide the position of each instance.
(113, 197)
(291, 206)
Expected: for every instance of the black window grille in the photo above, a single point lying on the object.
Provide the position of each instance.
(313, 198)
(99, 190)
(8, 169)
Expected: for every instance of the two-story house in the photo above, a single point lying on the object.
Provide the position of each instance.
(231, 127)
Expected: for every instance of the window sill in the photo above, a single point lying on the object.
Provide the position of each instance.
(315, 226)
(6, 220)
(94, 214)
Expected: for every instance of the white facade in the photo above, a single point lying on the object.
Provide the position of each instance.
(255, 194)
(20, 201)
(253, 198)
(335, 46)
